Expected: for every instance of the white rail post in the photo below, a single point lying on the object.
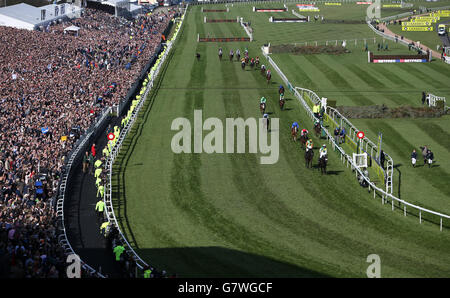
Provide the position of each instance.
(441, 224)
(404, 210)
(420, 216)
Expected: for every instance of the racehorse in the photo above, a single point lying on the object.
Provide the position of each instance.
(268, 77)
(262, 107)
(281, 90)
(303, 140)
(263, 70)
(323, 164)
(317, 129)
(243, 65)
(231, 56)
(246, 58)
(308, 158)
(281, 102)
(220, 55)
(294, 133)
(238, 57)
(252, 63)
(198, 56)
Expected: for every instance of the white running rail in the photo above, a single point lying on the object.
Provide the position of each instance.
(116, 149)
(345, 158)
(247, 30)
(433, 99)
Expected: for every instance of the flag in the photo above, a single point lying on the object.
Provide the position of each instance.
(44, 130)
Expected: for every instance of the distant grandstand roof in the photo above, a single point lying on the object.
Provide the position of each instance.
(24, 16)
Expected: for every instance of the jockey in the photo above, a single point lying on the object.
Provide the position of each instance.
(323, 151)
(309, 145)
(281, 88)
(257, 59)
(263, 100)
(263, 67)
(281, 96)
(268, 72)
(220, 51)
(238, 52)
(246, 51)
(295, 124)
(316, 122)
(304, 132)
(231, 53)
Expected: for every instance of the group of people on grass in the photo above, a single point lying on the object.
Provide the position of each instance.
(427, 155)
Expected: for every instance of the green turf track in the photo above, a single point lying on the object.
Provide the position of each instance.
(227, 215)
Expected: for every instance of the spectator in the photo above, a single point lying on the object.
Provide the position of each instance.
(336, 135)
(316, 110)
(430, 157)
(86, 162)
(93, 150)
(414, 158)
(382, 159)
(342, 135)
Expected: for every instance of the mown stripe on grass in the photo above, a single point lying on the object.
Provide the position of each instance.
(419, 74)
(393, 77)
(370, 80)
(337, 80)
(437, 133)
(302, 76)
(442, 69)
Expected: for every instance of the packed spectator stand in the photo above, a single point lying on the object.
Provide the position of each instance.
(53, 85)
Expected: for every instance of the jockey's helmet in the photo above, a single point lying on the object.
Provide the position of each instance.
(324, 145)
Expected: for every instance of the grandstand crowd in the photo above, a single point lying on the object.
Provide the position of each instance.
(53, 84)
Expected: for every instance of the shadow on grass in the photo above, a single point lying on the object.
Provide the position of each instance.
(206, 262)
(334, 172)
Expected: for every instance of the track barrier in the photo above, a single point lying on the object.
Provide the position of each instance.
(222, 39)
